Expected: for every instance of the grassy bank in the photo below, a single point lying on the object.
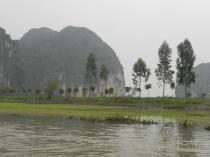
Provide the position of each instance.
(103, 113)
(164, 103)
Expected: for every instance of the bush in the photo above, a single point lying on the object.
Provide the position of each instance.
(50, 88)
(61, 91)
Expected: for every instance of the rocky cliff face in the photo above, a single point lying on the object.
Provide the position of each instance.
(202, 85)
(9, 63)
(50, 55)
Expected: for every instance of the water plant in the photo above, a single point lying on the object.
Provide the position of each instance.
(208, 128)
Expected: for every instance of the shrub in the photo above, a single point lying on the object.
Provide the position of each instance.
(50, 88)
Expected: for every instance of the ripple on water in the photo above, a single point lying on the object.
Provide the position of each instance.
(75, 138)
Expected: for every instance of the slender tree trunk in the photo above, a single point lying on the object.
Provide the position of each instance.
(102, 88)
(105, 88)
(163, 89)
(140, 91)
(148, 92)
(34, 97)
(140, 87)
(102, 93)
(185, 88)
(89, 89)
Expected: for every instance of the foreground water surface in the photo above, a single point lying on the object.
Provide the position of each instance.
(41, 137)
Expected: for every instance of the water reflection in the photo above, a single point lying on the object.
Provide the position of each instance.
(64, 137)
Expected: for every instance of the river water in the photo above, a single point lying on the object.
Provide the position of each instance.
(43, 137)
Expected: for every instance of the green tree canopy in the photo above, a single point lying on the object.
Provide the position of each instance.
(163, 72)
(104, 72)
(184, 64)
(172, 85)
(147, 87)
(50, 88)
(91, 71)
(103, 75)
(140, 71)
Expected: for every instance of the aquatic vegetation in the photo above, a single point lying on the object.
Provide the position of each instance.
(128, 110)
(208, 128)
(99, 113)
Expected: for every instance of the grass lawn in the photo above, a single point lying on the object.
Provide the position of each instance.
(102, 112)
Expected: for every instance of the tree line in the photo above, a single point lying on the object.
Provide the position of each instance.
(140, 74)
(184, 64)
(92, 79)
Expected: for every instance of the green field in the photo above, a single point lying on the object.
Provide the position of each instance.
(128, 110)
(167, 102)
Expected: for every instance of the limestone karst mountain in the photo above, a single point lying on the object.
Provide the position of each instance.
(50, 55)
(10, 68)
(202, 85)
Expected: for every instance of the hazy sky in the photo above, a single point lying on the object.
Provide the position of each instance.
(133, 28)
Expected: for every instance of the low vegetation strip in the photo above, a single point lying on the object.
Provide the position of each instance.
(166, 102)
(102, 113)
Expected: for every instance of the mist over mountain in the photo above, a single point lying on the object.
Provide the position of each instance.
(10, 67)
(51, 55)
(202, 84)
